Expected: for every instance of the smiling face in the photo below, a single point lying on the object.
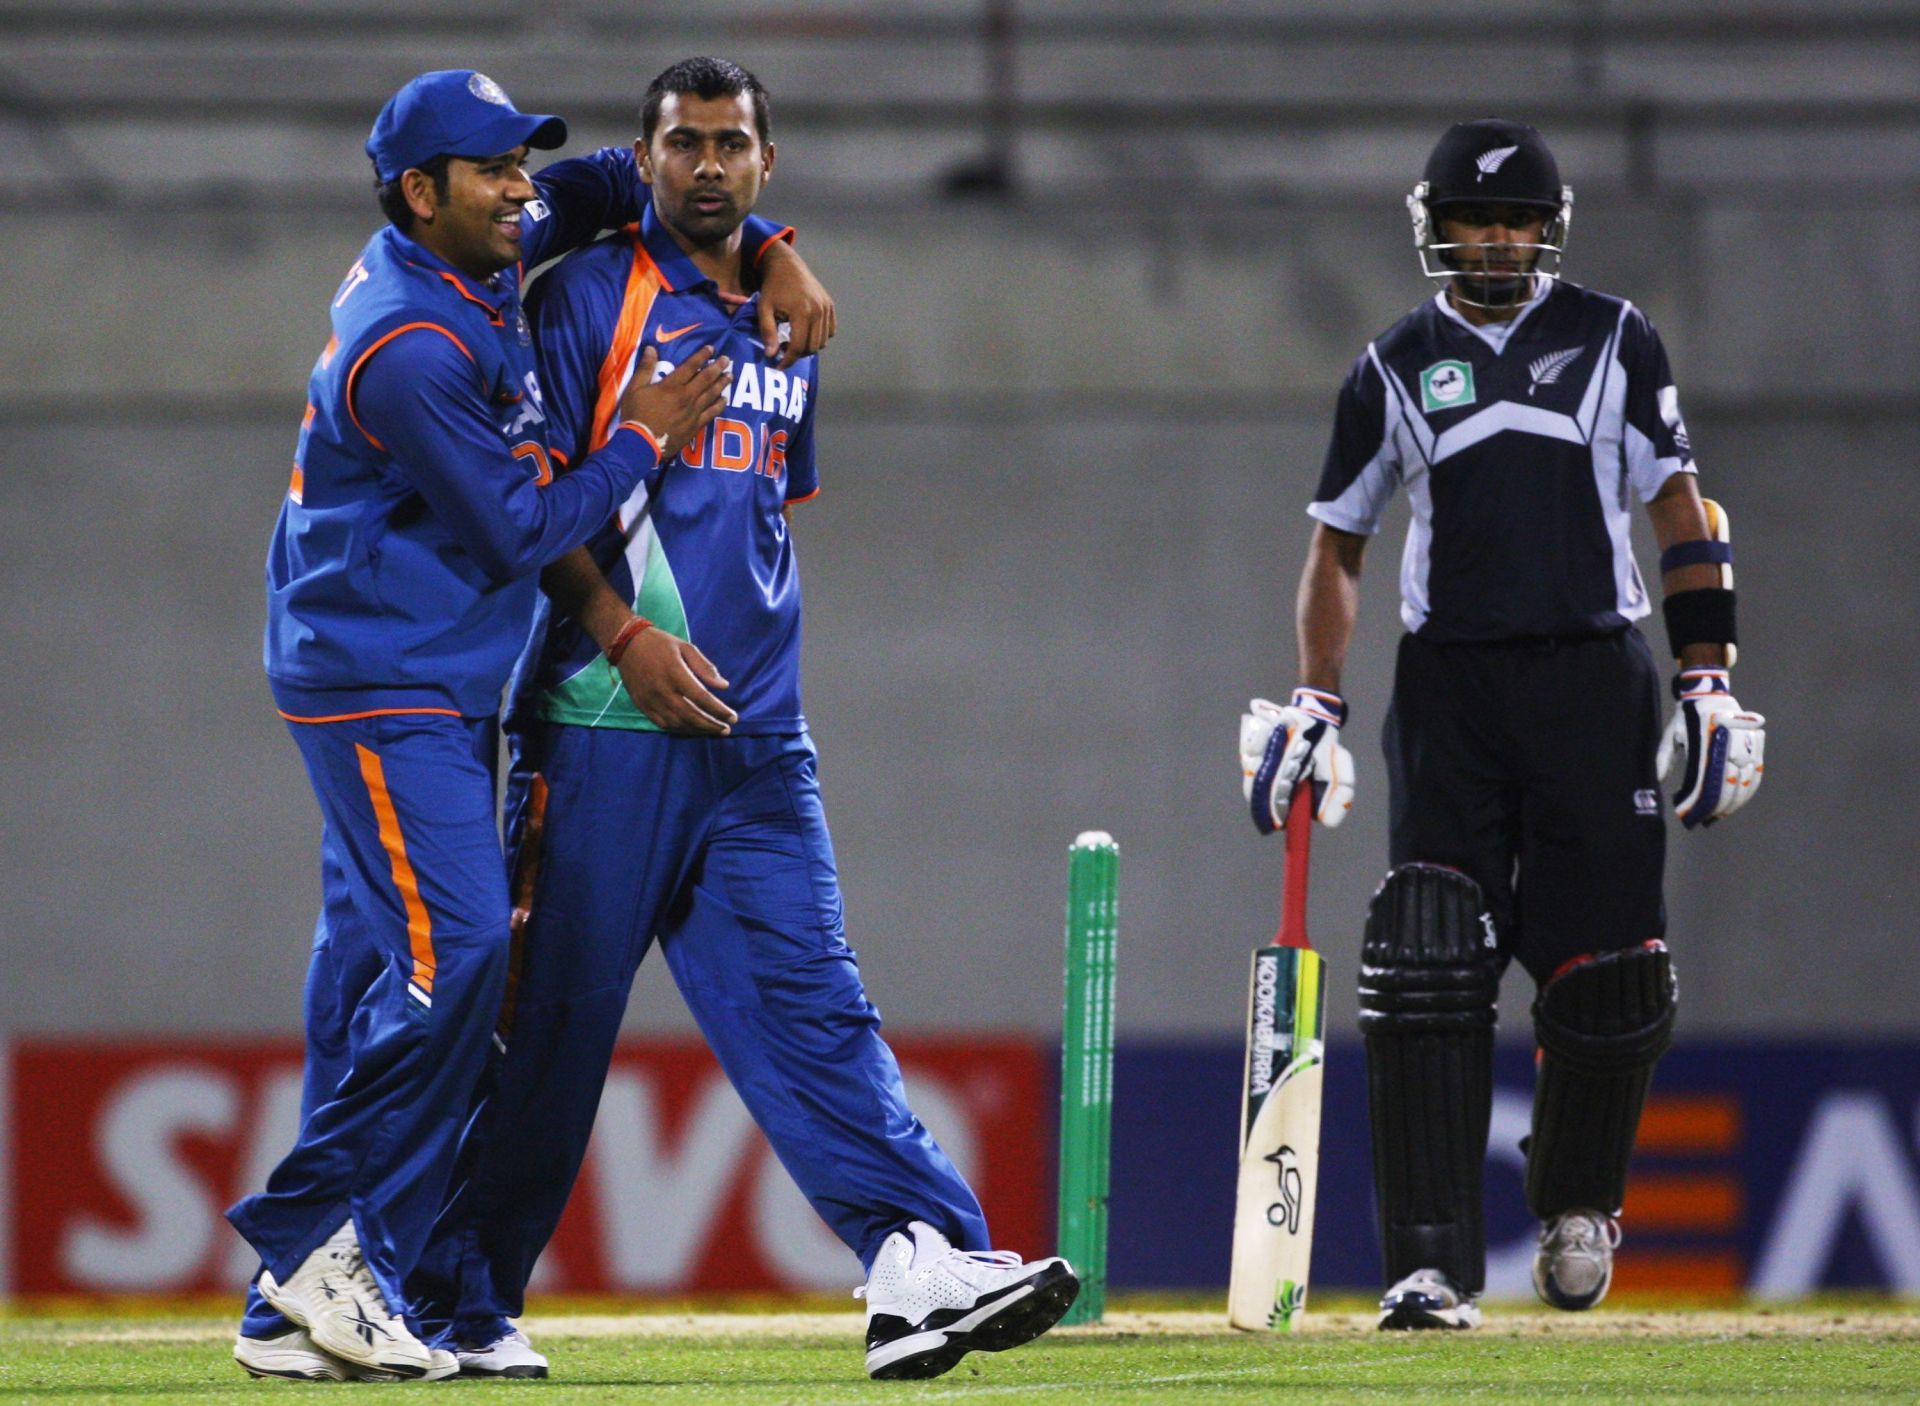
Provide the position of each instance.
(706, 163)
(476, 226)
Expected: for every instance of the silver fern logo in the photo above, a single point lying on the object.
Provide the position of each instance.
(1492, 161)
(1546, 369)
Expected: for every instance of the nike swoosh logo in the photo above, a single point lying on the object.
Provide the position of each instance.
(663, 336)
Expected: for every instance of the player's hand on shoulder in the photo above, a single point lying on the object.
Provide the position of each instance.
(796, 311)
(680, 404)
(1281, 746)
(671, 681)
(1722, 748)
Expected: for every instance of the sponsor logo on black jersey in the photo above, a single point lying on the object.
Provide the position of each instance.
(1446, 385)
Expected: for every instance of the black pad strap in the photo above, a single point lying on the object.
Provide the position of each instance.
(1429, 980)
(1602, 1022)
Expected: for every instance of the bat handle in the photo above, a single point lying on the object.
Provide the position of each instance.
(1293, 897)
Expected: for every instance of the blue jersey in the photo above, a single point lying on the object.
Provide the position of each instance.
(702, 550)
(1522, 446)
(423, 498)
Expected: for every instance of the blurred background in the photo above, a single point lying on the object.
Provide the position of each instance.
(1100, 268)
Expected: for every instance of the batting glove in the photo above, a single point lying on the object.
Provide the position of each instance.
(1723, 749)
(1278, 746)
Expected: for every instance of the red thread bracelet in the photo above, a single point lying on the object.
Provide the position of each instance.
(628, 632)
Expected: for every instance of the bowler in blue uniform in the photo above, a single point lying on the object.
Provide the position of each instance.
(664, 789)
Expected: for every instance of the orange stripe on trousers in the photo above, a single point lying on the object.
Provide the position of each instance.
(419, 926)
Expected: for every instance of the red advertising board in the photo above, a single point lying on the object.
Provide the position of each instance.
(122, 1156)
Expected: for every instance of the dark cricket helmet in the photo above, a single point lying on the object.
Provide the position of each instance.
(1492, 161)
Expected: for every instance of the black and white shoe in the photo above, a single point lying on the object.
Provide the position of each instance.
(511, 1355)
(334, 1296)
(1426, 1298)
(1573, 1267)
(929, 1305)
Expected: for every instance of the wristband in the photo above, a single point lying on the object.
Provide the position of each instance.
(1696, 553)
(1703, 616)
(652, 438)
(1318, 703)
(628, 633)
(1700, 683)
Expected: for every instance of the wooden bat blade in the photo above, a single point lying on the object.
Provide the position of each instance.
(1279, 1140)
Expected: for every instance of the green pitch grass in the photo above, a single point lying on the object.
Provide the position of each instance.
(1838, 1353)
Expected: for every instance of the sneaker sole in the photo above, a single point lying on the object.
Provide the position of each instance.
(292, 1372)
(296, 1311)
(524, 1372)
(1413, 1318)
(1019, 1318)
(1554, 1297)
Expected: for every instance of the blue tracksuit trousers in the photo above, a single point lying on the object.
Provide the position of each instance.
(717, 848)
(403, 988)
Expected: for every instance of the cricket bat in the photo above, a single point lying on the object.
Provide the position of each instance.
(1280, 1114)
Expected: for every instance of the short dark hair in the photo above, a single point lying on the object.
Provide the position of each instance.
(704, 78)
(393, 197)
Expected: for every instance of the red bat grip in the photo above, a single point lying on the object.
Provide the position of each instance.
(1293, 897)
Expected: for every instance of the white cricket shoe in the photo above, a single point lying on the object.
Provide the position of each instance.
(291, 1355)
(1573, 1267)
(334, 1297)
(1426, 1298)
(294, 1356)
(510, 1356)
(929, 1305)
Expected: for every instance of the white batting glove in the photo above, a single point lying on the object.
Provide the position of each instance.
(1723, 749)
(1280, 745)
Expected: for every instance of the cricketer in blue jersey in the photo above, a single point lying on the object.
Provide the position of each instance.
(645, 809)
(401, 583)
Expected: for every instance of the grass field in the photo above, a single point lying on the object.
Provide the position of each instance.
(1837, 1352)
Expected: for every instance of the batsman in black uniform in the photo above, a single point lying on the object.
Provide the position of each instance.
(1523, 416)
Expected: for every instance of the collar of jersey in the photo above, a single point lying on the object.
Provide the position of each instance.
(676, 266)
(492, 300)
(1496, 334)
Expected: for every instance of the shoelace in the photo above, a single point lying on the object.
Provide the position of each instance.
(999, 1259)
(995, 1259)
(352, 1260)
(1585, 1232)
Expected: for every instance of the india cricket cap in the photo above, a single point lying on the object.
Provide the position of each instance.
(453, 112)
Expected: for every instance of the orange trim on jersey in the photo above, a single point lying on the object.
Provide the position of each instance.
(542, 469)
(804, 498)
(644, 284)
(526, 872)
(419, 925)
(771, 240)
(297, 486)
(373, 713)
(460, 287)
(353, 376)
(326, 352)
(559, 456)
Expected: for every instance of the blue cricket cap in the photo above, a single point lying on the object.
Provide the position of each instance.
(453, 112)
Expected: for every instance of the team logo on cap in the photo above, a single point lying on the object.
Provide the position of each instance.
(488, 91)
(1446, 385)
(1491, 161)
